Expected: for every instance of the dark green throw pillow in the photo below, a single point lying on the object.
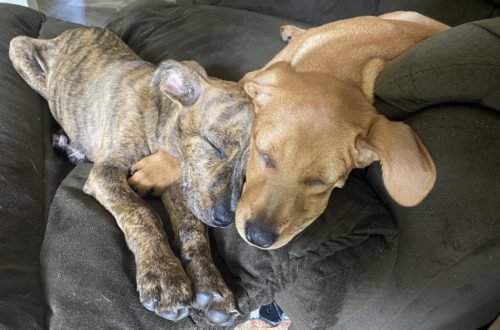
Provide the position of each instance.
(461, 65)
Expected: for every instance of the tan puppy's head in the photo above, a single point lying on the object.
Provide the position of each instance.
(310, 131)
(211, 135)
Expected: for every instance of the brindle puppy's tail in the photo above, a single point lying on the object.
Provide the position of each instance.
(25, 54)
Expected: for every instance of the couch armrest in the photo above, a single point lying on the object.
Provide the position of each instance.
(29, 174)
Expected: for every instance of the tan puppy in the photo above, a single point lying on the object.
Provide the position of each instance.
(315, 122)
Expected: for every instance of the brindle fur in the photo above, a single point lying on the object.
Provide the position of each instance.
(117, 109)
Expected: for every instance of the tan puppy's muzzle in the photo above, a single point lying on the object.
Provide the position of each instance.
(259, 234)
(253, 219)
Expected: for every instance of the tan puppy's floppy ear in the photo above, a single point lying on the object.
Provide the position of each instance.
(407, 167)
(179, 81)
(259, 85)
(260, 94)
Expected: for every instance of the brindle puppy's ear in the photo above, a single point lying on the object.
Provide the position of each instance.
(180, 81)
(407, 167)
(195, 66)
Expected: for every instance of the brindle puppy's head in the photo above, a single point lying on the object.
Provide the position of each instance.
(310, 131)
(211, 133)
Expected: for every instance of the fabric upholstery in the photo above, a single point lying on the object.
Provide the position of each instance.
(30, 173)
(22, 181)
(457, 66)
(349, 270)
(317, 12)
(444, 241)
(222, 40)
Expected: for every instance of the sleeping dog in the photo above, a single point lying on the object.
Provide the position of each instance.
(315, 122)
(117, 109)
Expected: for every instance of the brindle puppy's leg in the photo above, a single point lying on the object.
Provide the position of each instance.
(211, 292)
(161, 281)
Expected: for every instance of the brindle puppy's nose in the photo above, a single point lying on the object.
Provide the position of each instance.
(222, 216)
(259, 235)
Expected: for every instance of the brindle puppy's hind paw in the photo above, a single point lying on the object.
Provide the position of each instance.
(75, 156)
(60, 142)
(165, 291)
(62, 145)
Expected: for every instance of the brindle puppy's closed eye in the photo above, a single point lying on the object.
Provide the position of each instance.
(219, 151)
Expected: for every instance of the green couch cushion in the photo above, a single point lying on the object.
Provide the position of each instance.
(319, 12)
(461, 65)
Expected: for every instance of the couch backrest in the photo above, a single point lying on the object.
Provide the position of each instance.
(317, 12)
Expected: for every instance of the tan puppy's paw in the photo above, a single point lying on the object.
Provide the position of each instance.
(152, 175)
(288, 32)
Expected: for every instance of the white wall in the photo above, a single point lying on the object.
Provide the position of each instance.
(17, 2)
(26, 3)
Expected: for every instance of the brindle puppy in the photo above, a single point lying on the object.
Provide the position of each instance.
(117, 109)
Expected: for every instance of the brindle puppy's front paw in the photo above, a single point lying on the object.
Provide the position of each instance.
(222, 310)
(212, 294)
(164, 289)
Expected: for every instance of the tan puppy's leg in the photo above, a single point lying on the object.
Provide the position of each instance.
(152, 175)
(412, 16)
(211, 293)
(288, 32)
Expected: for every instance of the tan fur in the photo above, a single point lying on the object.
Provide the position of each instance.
(315, 122)
(151, 177)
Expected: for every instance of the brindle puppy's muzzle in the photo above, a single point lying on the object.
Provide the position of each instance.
(224, 215)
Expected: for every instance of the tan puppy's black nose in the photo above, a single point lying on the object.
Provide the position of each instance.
(259, 235)
(222, 216)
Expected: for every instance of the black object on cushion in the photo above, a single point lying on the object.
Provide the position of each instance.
(461, 65)
(317, 12)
